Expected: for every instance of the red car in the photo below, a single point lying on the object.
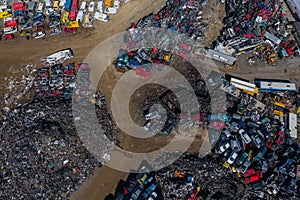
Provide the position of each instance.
(290, 51)
(194, 194)
(19, 6)
(143, 71)
(70, 30)
(249, 35)
(198, 117)
(269, 143)
(185, 46)
(158, 61)
(259, 174)
(183, 55)
(251, 179)
(217, 125)
(74, 10)
(11, 23)
(249, 172)
(280, 137)
(8, 37)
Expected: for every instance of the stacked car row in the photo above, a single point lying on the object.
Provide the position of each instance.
(261, 28)
(180, 16)
(56, 80)
(31, 17)
(258, 146)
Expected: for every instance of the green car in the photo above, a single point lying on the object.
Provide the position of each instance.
(242, 158)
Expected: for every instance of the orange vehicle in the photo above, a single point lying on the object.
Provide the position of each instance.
(108, 4)
(179, 174)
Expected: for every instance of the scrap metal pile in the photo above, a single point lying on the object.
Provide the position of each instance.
(182, 16)
(259, 27)
(42, 156)
(257, 145)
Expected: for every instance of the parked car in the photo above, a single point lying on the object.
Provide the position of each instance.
(245, 137)
(257, 141)
(235, 145)
(242, 158)
(54, 23)
(224, 147)
(55, 31)
(111, 10)
(10, 30)
(143, 54)
(7, 37)
(27, 27)
(151, 188)
(249, 172)
(251, 179)
(101, 16)
(233, 156)
(91, 6)
(39, 34)
(80, 16)
(244, 166)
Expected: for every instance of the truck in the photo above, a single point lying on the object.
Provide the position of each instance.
(74, 10)
(58, 57)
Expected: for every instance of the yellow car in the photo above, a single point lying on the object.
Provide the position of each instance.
(73, 24)
(55, 5)
(65, 18)
(5, 14)
(226, 164)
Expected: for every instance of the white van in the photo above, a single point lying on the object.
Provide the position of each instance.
(101, 16)
(83, 6)
(111, 10)
(100, 6)
(117, 4)
(79, 16)
(9, 30)
(62, 4)
(40, 7)
(48, 3)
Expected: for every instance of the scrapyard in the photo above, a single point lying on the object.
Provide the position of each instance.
(243, 131)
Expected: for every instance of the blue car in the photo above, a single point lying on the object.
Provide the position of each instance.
(133, 63)
(150, 189)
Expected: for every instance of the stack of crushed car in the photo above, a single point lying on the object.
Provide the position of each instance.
(33, 19)
(257, 144)
(257, 27)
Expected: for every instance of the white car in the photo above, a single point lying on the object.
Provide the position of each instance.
(153, 196)
(49, 11)
(101, 16)
(111, 10)
(55, 31)
(10, 30)
(38, 35)
(83, 6)
(100, 6)
(79, 16)
(92, 6)
(40, 7)
(62, 4)
(224, 147)
(232, 158)
(117, 4)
